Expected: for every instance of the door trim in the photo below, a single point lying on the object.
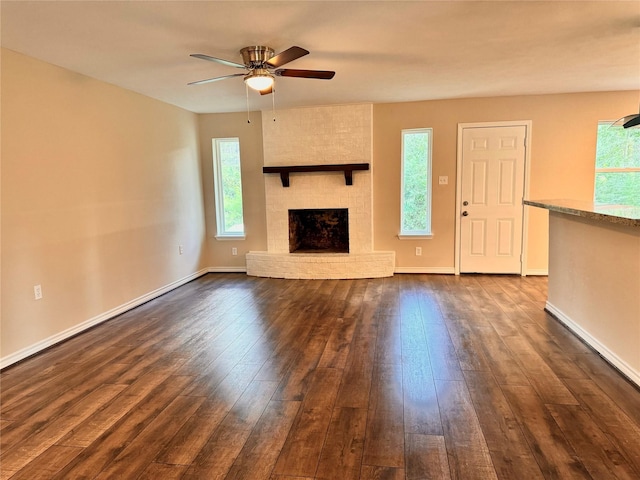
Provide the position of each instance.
(527, 166)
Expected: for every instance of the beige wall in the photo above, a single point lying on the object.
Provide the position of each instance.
(562, 162)
(99, 187)
(225, 125)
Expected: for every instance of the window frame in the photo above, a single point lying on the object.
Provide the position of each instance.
(428, 232)
(608, 124)
(218, 190)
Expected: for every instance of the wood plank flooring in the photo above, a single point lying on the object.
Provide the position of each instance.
(408, 377)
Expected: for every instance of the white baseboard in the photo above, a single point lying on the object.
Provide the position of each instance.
(227, 270)
(58, 337)
(438, 270)
(543, 272)
(608, 355)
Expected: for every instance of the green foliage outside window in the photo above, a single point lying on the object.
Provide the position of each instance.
(416, 195)
(617, 166)
(229, 186)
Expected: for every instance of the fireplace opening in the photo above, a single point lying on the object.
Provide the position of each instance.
(319, 230)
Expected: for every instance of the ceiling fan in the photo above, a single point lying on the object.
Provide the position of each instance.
(261, 66)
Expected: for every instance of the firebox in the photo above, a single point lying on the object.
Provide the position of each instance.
(319, 230)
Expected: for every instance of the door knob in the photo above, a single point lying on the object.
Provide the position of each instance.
(465, 213)
(465, 203)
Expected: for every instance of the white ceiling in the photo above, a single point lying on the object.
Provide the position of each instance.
(385, 51)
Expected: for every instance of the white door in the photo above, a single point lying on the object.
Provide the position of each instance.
(491, 191)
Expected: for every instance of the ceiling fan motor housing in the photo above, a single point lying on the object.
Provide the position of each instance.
(254, 57)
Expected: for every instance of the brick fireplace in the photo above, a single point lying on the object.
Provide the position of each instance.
(320, 136)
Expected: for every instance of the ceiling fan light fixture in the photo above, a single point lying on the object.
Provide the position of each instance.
(259, 79)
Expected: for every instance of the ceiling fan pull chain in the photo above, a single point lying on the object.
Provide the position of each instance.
(273, 103)
(246, 87)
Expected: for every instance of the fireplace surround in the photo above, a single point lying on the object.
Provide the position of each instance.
(317, 137)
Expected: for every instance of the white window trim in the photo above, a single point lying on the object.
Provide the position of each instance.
(618, 170)
(417, 236)
(231, 236)
(420, 234)
(217, 191)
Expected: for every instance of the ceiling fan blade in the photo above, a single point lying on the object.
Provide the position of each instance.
(202, 56)
(215, 79)
(319, 74)
(623, 120)
(632, 122)
(289, 55)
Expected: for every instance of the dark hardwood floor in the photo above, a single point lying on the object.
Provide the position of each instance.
(409, 377)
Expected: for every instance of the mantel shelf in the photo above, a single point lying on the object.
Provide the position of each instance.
(347, 168)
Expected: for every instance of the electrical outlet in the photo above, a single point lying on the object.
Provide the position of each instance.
(180, 249)
(234, 251)
(418, 251)
(443, 180)
(37, 292)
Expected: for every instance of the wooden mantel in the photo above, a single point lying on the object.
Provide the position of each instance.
(347, 168)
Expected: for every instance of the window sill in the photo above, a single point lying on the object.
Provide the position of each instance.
(231, 237)
(415, 237)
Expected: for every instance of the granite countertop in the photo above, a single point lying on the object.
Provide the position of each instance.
(619, 214)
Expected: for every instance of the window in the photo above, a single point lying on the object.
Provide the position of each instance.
(415, 207)
(228, 187)
(617, 165)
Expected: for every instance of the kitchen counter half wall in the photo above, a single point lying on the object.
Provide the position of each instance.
(594, 277)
